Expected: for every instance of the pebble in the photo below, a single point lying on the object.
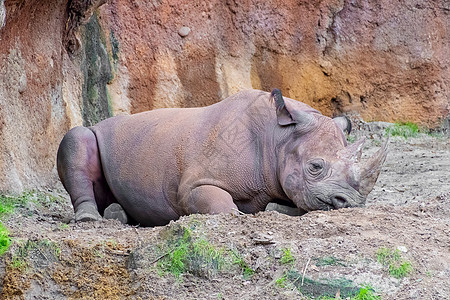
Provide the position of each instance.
(184, 31)
(402, 249)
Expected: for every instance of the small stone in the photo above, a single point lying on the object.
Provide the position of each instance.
(402, 249)
(326, 67)
(22, 83)
(184, 31)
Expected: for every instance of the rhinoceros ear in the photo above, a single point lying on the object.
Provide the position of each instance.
(344, 123)
(284, 116)
(287, 115)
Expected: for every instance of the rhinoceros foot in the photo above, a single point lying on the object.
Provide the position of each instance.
(87, 212)
(115, 211)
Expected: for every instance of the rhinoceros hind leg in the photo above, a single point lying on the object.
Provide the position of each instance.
(79, 168)
(209, 199)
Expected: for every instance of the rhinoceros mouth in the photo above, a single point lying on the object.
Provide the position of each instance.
(322, 203)
(319, 199)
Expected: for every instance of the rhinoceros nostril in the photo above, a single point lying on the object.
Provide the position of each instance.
(339, 202)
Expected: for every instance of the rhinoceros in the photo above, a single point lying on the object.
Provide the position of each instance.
(237, 155)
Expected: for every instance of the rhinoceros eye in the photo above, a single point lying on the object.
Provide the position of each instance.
(315, 167)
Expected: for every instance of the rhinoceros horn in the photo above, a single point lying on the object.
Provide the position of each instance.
(353, 152)
(370, 170)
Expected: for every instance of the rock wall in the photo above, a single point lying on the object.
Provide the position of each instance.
(32, 106)
(381, 60)
(68, 63)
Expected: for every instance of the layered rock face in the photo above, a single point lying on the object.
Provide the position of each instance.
(69, 63)
(33, 114)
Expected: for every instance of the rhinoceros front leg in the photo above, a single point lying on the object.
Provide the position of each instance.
(209, 199)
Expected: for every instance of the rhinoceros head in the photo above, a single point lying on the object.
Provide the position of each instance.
(317, 169)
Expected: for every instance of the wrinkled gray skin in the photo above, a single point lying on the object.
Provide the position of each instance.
(239, 154)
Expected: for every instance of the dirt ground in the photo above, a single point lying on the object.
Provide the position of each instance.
(333, 251)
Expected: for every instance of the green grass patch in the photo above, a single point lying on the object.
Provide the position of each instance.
(175, 262)
(282, 282)
(5, 240)
(9, 203)
(43, 253)
(397, 266)
(400, 270)
(404, 129)
(326, 289)
(437, 135)
(365, 293)
(323, 287)
(47, 199)
(63, 226)
(187, 254)
(328, 261)
(184, 252)
(287, 257)
(247, 271)
(7, 206)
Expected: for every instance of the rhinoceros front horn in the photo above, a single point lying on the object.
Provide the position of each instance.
(370, 170)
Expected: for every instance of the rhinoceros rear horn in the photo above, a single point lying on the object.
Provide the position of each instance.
(370, 170)
(353, 152)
